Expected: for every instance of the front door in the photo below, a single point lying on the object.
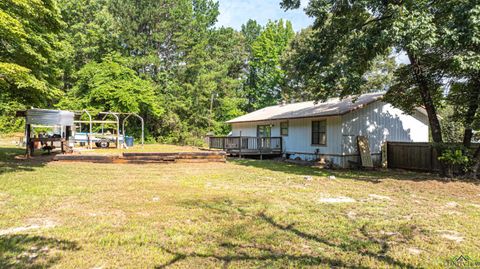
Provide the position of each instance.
(264, 132)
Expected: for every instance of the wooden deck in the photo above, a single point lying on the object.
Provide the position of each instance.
(248, 146)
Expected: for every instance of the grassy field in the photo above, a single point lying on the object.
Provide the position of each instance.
(243, 213)
(139, 148)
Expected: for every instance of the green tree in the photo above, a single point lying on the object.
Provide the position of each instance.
(29, 49)
(350, 36)
(379, 77)
(452, 129)
(250, 31)
(90, 35)
(226, 66)
(110, 85)
(460, 61)
(213, 69)
(440, 39)
(196, 68)
(265, 75)
(152, 33)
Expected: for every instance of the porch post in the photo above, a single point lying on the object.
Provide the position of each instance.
(240, 144)
(262, 142)
(281, 144)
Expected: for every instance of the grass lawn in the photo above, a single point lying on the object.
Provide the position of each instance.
(243, 213)
(140, 148)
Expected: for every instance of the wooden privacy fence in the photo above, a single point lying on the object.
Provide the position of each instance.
(413, 156)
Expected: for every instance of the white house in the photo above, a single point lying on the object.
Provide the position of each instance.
(329, 130)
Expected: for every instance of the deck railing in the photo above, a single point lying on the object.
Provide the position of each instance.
(247, 144)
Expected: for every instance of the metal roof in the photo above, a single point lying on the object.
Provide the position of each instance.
(49, 117)
(331, 107)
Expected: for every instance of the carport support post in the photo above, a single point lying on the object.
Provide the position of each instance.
(90, 134)
(123, 125)
(118, 133)
(118, 126)
(27, 140)
(143, 126)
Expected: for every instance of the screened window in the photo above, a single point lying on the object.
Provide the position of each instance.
(319, 132)
(284, 128)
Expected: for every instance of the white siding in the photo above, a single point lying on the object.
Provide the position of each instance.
(382, 122)
(299, 138)
(245, 129)
(250, 128)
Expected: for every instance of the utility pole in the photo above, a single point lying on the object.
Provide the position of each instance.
(211, 110)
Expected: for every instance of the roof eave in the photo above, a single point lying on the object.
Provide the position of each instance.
(313, 116)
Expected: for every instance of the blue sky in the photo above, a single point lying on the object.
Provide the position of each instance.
(234, 13)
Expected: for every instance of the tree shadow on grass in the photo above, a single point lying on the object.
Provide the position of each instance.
(271, 255)
(372, 176)
(361, 243)
(9, 164)
(27, 251)
(279, 166)
(368, 239)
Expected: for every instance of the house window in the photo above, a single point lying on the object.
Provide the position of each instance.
(319, 132)
(284, 128)
(264, 130)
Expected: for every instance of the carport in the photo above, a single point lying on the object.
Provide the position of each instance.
(102, 118)
(60, 121)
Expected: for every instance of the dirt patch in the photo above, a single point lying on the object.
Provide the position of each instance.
(352, 215)
(34, 225)
(451, 235)
(335, 200)
(389, 233)
(117, 215)
(4, 197)
(449, 190)
(33, 253)
(453, 213)
(380, 197)
(452, 204)
(414, 251)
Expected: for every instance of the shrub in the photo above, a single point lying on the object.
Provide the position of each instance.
(455, 159)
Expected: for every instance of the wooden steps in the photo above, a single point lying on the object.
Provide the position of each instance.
(149, 157)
